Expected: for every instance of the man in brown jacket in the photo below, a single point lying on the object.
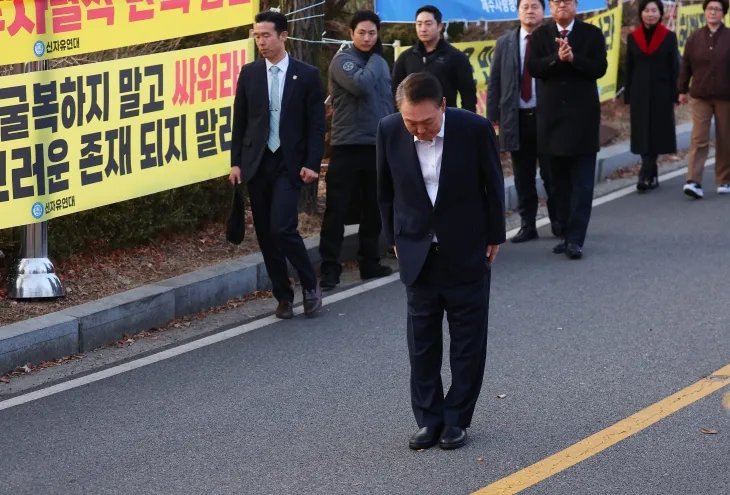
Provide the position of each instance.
(706, 63)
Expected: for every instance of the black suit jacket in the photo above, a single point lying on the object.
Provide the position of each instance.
(469, 212)
(302, 125)
(568, 109)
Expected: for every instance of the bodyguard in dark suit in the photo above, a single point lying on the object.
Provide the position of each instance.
(567, 57)
(511, 104)
(441, 197)
(277, 146)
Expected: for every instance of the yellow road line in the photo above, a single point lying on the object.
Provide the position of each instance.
(602, 440)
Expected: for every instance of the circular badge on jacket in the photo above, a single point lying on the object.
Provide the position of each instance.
(348, 66)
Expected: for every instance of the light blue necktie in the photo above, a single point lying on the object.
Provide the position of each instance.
(274, 110)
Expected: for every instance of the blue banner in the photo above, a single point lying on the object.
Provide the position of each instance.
(466, 10)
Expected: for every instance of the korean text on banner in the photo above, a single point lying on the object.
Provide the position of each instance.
(610, 25)
(480, 55)
(466, 10)
(45, 29)
(86, 136)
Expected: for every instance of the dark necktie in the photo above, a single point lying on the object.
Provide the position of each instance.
(526, 90)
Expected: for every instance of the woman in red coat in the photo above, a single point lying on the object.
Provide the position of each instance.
(651, 72)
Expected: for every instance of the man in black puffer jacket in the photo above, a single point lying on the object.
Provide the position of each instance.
(359, 80)
(434, 55)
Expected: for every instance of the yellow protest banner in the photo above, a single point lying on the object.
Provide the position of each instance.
(81, 137)
(689, 19)
(480, 55)
(610, 23)
(46, 29)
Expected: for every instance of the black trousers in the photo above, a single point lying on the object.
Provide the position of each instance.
(524, 165)
(467, 308)
(573, 180)
(351, 175)
(275, 209)
(649, 167)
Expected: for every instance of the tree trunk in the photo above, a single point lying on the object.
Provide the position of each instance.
(308, 29)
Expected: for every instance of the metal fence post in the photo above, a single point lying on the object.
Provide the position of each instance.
(32, 275)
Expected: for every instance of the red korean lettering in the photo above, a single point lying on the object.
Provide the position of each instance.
(185, 79)
(140, 15)
(176, 4)
(21, 21)
(226, 74)
(66, 18)
(208, 77)
(100, 12)
(211, 4)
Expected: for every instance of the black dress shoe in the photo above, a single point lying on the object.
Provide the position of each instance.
(560, 248)
(285, 310)
(425, 438)
(312, 301)
(452, 437)
(526, 233)
(574, 251)
(375, 271)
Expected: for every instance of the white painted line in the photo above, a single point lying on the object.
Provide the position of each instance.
(254, 325)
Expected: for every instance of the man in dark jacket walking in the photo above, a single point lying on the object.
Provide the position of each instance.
(511, 103)
(359, 80)
(434, 55)
(567, 57)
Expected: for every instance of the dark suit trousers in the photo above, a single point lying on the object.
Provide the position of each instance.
(524, 165)
(573, 180)
(352, 174)
(274, 205)
(467, 308)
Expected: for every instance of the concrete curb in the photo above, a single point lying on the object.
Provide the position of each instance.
(609, 160)
(88, 326)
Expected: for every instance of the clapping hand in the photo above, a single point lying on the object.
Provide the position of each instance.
(565, 52)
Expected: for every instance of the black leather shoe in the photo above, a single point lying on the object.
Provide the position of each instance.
(375, 271)
(526, 233)
(452, 437)
(574, 251)
(285, 310)
(330, 280)
(560, 248)
(425, 438)
(312, 301)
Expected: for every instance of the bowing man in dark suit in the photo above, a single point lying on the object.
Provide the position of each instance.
(277, 146)
(441, 197)
(567, 57)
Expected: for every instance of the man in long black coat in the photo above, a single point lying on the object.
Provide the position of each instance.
(567, 57)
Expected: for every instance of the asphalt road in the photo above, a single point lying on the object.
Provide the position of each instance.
(322, 407)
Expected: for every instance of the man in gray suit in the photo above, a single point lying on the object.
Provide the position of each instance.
(511, 104)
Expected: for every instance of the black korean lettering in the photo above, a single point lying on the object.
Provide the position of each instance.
(59, 204)
(72, 107)
(225, 128)
(90, 157)
(120, 163)
(55, 46)
(4, 195)
(180, 153)
(14, 116)
(206, 123)
(99, 84)
(129, 81)
(50, 206)
(29, 169)
(49, 47)
(58, 165)
(45, 108)
(151, 151)
(156, 89)
(62, 45)
(64, 203)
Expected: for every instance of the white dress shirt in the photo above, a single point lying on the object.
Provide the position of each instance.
(569, 28)
(523, 47)
(429, 157)
(283, 66)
